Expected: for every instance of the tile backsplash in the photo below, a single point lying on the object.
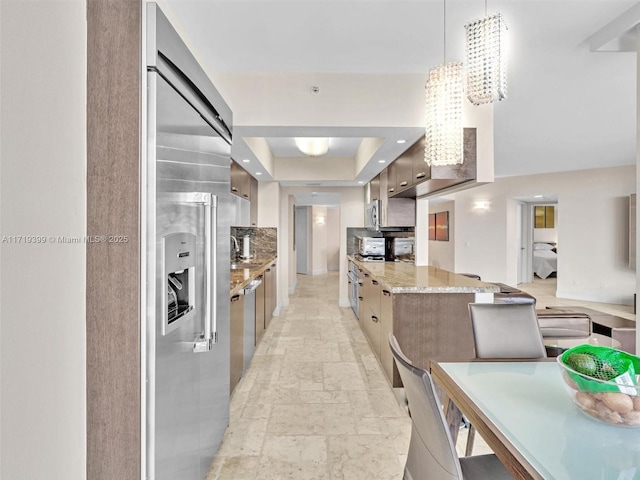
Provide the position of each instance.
(263, 240)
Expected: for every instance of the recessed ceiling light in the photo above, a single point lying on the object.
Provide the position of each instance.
(401, 140)
(246, 160)
(258, 173)
(381, 161)
(538, 196)
(360, 182)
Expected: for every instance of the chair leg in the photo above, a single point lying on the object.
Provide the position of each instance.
(470, 438)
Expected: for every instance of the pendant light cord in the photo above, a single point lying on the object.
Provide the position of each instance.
(444, 32)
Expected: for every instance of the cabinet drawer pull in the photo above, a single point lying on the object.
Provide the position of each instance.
(360, 283)
(235, 298)
(374, 318)
(391, 190)
(421, 175)
(404, 184)
(234, 189)
(366, 275)
(374, 282)
(268, 270)
(360, 298)
(245, 195)
(386, 292)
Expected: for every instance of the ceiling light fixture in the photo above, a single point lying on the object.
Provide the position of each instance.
(246, 160)
(401, 141)
(486, 60)
(258, 173)
(313, 146)
(444, 96)
(381, 161)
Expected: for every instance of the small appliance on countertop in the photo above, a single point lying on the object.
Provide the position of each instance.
(370, 246)
(399, 248)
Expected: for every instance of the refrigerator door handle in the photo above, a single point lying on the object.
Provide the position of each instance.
(204, 342)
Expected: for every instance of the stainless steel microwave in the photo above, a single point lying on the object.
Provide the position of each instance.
(372, 215)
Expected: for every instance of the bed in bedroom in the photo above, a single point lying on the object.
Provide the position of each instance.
(545, 259)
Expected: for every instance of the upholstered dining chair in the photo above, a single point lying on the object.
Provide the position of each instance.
(432, 454)
(504, 330)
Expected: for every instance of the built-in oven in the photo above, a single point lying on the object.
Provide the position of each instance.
(354, 287)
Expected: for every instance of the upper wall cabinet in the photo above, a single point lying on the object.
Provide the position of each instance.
(253, 219)
(374, 189)
(240, 181)
(392, 178)
(411, 177)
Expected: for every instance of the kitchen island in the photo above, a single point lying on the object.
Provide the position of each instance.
(424, 307)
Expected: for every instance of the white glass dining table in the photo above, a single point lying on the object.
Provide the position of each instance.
(521, 410)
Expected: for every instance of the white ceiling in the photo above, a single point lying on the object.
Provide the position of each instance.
(568, 108)
(338, 146)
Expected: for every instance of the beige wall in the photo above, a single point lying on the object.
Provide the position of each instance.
(42, 193)
(318, 240)
(333, 238)
(441, 253)
(592, 231)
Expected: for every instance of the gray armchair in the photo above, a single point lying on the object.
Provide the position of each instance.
(431, 450)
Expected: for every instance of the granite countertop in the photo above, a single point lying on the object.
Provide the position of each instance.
(241, 277)
(402, 277)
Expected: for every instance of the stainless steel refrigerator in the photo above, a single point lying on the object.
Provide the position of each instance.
(186, 238)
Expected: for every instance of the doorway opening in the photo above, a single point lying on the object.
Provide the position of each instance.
(317, 237)
(537, 234)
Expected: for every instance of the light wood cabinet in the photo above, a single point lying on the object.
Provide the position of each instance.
(240, 181)
(371, 319)
(236, 340)
(404, 172)
(392, 178)
(361, 304)
(420, 170)
(260, 310)
(428, 326)
(270, 293)
(409, 176)
(374, 188)
(386, 327)
(253, 215)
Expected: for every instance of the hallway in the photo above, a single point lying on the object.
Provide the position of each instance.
(314, 404)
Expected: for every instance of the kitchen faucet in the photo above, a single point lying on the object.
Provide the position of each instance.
(236, 248)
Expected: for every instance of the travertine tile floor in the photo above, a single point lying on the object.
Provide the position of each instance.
(314, 404)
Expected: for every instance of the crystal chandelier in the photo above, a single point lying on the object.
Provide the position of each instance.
(443, 135)
(486, 60)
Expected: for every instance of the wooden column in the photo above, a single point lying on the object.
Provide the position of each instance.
(114, 74)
